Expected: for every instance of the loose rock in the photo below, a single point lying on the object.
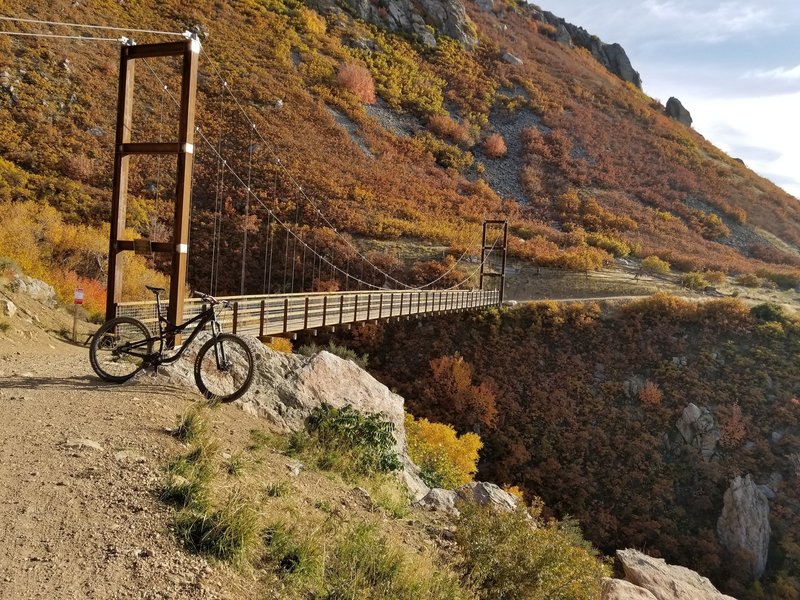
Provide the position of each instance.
(81, 443)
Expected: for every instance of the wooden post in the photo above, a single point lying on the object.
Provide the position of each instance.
(235, 315)
(261, 319)
(305, 316)
(286, 315)
(183, 148)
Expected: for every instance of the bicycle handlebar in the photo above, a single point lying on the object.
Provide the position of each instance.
(211, 299)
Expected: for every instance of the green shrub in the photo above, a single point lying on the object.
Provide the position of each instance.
(289, 555)
(506, 555)
(694, 281)
(276, 489)
(348, 441)
(230, 533)
(188, 478)
(366, 566)
(191, 426)
(654, 266)
(769, 312)
(610, 244)
(749, 280)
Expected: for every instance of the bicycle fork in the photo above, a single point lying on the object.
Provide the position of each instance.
(219, 349)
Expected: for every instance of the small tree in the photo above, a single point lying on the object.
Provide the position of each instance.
(733, 429)
(652, 265)
(446, 460)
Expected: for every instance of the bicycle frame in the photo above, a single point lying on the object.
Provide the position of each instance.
(168, 331)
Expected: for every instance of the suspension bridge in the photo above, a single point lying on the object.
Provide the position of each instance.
(307, 282)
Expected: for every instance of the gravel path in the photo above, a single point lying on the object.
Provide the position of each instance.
(80, 466)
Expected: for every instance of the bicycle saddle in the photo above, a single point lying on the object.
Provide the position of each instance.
(155, 290)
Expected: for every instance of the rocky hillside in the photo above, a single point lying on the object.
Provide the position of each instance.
(660, 424)
(143, 490)
(418, 120)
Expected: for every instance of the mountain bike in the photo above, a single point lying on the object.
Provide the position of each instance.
(223, 368)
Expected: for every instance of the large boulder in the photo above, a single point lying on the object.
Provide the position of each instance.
(676, 110)
(699, 430)
(619, 589)
(666, 582)
(479, 492)
(419, 18)
(286, 389)
(743, 527)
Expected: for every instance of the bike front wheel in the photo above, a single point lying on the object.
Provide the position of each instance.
(223, 369)
(120, 348)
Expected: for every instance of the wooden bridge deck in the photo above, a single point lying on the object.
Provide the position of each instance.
(287, 314)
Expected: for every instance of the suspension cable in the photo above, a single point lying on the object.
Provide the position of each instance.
(86, 26)
(79, 38)
(273, 152)
(286, 227)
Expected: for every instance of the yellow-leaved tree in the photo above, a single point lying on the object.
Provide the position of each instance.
(446, 460)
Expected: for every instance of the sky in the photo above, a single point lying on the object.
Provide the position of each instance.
(735, 65)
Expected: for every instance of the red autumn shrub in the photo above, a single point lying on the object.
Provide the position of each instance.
(495, 146)
(358, 80)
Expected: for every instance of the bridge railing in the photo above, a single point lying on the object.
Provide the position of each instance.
(282, 314)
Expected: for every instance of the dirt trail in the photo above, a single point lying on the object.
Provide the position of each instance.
(77, 521)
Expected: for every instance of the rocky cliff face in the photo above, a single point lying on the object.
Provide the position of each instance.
(422, 19)
(612, 56)
(699, 430)
(676, 110)
(743, 527)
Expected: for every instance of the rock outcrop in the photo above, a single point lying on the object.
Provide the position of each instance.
(612, 56)
(743, 527)
(7, 308)
(663, 581)
(676, 110)
(699, 430)
(619, 589)
(422, 18)
(480, 492)
(34, 288)
(286, 388)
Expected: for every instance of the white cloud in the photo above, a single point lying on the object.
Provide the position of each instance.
(790, 73)
(728, 61)
(711, 21)
(761, 131)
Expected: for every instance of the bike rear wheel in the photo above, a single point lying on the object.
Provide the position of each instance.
(223, 369)
(119, 349)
